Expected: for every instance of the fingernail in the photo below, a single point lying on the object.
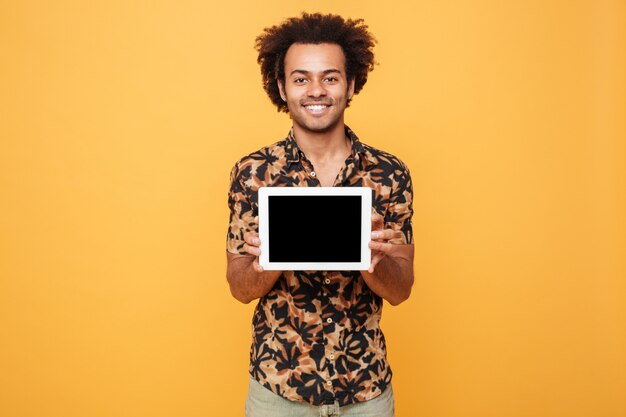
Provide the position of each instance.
(376, 235)
(256, 241)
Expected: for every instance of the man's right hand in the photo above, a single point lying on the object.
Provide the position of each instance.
(253, 247)
(246, 277)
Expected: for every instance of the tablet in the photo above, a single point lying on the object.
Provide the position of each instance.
(315, 228)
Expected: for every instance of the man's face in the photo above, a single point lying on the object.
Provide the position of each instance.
(316, 89)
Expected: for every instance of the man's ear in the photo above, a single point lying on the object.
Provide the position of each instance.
(351, 89)
(281, 89)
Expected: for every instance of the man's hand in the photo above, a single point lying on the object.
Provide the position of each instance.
(253, 247)
(390, 274)
(246, 277)
(379, 245)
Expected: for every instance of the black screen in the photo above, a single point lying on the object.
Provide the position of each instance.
(315, 228)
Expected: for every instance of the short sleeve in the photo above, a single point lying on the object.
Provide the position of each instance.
(400, 210)
(242, 213)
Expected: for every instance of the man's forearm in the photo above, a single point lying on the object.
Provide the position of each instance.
(391, 280)
(246, 284)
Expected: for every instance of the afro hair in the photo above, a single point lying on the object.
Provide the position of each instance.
(352, 35)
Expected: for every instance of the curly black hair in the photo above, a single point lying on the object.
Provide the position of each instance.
(352, 35)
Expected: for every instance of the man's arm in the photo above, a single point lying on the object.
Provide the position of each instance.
(247, 279)
(391, 273)
(245, 276)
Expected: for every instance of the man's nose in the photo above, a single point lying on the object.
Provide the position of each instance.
(316, 89)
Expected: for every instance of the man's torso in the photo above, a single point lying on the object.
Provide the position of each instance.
(316, 334)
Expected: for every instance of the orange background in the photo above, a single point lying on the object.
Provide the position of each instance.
(121, 120)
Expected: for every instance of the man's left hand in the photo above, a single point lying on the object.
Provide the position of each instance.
(379, 244)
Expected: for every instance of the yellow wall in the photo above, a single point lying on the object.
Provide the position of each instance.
(120, 120)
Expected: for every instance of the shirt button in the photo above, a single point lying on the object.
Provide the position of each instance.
(312, 173)
(327, 281)
(329, 320)
(329, 383)
(331, 356)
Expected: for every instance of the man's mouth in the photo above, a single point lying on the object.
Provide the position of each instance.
(316, 108)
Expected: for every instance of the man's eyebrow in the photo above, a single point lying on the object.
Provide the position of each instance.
(305, 72)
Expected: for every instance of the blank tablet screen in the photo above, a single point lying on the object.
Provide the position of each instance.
(314, 228)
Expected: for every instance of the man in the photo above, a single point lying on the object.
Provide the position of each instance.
(317, 346)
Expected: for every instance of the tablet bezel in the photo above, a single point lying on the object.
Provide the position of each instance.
(366, 228)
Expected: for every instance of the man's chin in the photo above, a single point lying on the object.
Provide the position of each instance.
(318, 127)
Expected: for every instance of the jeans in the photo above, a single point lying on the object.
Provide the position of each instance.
(262, 402)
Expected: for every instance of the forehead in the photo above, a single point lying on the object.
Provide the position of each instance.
(314, 57)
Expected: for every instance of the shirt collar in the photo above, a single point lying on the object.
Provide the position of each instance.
(293, 151)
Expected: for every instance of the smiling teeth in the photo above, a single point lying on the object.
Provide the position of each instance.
(316, 107)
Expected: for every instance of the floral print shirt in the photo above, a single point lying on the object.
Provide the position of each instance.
(315, 335)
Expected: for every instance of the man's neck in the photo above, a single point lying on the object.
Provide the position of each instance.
(322, 147)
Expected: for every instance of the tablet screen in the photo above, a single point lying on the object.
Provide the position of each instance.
(315, 228)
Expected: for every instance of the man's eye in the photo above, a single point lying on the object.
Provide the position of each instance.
(299, 80)
(331, 79)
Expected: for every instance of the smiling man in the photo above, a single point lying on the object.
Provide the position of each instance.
(317, 347)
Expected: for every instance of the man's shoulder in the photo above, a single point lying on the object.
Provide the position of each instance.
(383, 159)
(267, 155)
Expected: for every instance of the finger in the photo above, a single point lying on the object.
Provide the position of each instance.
(381, 246)
(252, 238)
(257, 266)
(375, 260)
(252, 250)
(386, 234)
(377, 221)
